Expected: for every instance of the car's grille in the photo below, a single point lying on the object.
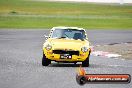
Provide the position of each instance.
(66, 52)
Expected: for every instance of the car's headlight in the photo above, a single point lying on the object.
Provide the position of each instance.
(84, 49)
(48, 47)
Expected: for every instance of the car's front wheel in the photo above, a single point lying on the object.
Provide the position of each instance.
(45, 61)
(86, 62)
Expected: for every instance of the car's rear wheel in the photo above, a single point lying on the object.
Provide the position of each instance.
(45, 61)
(86, 62)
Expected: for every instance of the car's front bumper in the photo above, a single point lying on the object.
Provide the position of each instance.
(75, 58)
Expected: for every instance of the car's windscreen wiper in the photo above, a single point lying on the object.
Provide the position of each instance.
(62, 37)
(79, 39)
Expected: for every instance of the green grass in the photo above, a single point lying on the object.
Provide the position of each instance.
(33, 14)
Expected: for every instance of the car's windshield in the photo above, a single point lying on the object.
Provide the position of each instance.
(69, 33)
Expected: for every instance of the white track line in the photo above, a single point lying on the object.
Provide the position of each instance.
(104, 54)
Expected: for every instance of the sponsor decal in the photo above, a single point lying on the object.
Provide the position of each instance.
(82, 78)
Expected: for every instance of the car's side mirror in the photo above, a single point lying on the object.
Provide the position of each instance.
(46, 36)
(86, 38)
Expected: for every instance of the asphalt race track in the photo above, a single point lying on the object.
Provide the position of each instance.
(21, 53)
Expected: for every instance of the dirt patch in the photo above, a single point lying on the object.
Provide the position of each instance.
(124, 49)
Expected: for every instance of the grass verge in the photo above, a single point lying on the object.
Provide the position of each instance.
(33, 14)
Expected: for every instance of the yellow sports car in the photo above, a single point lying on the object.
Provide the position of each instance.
(66, 44)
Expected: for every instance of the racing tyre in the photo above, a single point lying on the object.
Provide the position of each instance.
(86, 62)
(45, 61)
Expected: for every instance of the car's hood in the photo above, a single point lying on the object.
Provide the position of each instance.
(67, 44)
